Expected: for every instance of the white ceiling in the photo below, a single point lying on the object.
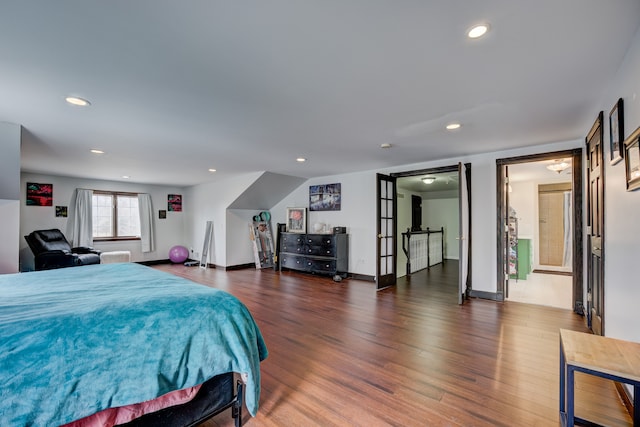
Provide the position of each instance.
(243, 86)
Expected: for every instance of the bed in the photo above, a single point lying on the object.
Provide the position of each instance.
(77, 341)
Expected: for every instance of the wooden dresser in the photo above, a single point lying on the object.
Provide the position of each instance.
(326, 254)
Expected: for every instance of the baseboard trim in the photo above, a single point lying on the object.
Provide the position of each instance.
(365, 277)
(235, 267)
(155, 262)
(494, 296)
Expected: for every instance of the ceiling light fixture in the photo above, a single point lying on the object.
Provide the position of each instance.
(125, 177)
(429, 179)
(385, 145)
(96, 151)
(301, 159)
(80, 102)
(453, 126)
(212, 170)
(478, 31)
(558, 166)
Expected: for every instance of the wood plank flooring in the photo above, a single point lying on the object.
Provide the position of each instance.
(342, 354)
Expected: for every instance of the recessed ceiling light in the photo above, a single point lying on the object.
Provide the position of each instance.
(478, 31)
(96, 151)
(385, 145)
(80, 102)
(212, 170)
(453, 126)
(301, 159)
(125, 177)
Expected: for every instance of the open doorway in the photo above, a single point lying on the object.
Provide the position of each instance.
(432, 225)
(540, 226)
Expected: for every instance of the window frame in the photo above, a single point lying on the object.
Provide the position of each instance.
(114, 215)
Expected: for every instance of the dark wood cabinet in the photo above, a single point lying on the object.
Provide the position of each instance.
(326, 254)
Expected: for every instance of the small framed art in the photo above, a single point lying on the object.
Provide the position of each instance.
(616, 132)
(39, 194)
(632, 160)
(296, 220)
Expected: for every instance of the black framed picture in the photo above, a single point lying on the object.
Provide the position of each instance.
(632, 160)
(325, 197)
(616, 132)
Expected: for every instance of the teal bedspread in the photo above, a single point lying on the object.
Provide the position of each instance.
(78, 340)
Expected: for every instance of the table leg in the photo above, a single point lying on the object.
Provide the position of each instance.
(570, 396)
(562, 379)
(636, 402)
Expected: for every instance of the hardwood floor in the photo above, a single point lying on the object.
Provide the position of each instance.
(343, 354)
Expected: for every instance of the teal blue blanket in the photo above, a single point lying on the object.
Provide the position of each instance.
(78, 340)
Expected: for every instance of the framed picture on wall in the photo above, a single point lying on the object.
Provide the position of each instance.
(632, 160)
(174, 203)
(325, 197)
(616, 132)
(296, 220)
(39, 194)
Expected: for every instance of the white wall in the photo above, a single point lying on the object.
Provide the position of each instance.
(209, 202)
(358, 214)
(622, 228)
(240, 248)
(445, 213)
(9, 197)
(169, 231)
(523, 199)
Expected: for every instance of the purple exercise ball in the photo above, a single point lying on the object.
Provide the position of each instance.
(178, 254)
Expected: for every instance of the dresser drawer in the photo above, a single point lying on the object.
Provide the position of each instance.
(293, 239)
(322, 266)
(293, 243)
(294, 262)
(294, 248)
(320, 240)
(329, 251)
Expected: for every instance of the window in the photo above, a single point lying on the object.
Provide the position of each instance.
(115, 216)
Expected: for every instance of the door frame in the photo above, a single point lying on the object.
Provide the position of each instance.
(577, 202)
(444, 169)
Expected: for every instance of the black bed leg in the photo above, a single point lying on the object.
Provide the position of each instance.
(236, 410)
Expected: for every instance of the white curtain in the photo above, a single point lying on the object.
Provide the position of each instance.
(81, 221)
(147, 232)
(568, 229)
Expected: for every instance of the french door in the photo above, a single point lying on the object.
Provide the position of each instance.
(386, 236)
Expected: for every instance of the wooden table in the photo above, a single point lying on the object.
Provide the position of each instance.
(604, 357)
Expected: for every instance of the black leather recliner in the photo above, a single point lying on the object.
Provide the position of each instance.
(52, 250)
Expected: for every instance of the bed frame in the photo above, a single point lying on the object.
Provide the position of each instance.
(215, 396)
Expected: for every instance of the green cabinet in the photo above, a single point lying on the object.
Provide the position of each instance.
(524, 256)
